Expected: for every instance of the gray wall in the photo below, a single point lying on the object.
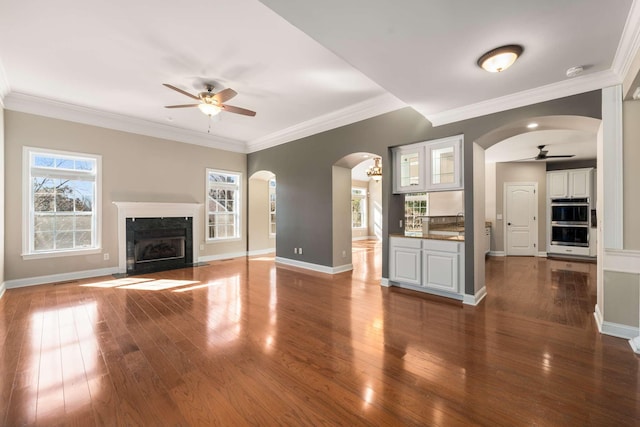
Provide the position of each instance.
(304, 169)
(621, 298)
(341, 214)
(135, 168)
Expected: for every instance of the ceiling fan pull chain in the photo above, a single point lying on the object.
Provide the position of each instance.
(209, 130)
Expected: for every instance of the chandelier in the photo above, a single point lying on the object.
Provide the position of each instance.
(375, 171)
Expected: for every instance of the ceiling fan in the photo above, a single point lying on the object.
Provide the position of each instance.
(542, 155)
(211, 103)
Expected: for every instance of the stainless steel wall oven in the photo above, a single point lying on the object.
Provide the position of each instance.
(570, 222)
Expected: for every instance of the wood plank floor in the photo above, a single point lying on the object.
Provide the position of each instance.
(243, 342)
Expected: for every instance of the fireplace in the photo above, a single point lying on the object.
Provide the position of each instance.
(156, 244)
(157, 236)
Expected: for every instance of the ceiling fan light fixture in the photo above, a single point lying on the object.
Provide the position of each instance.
(501, 58)
(375, 171)
(532, 125)
(209, 109)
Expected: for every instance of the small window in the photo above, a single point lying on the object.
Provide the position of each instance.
(62, 195)
(223, 205)
(272, 207)
(358, 208)
(415, 207)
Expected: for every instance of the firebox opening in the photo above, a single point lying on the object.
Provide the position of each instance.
(150, 250)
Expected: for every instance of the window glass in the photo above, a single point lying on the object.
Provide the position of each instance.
(223, 202)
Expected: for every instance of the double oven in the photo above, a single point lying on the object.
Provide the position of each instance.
(570, 222)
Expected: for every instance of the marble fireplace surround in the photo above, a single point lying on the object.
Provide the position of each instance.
(155, 210)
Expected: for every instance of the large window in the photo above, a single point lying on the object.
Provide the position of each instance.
(415, 207)
(272, 206)
(62, 195)
(223, 205)
(358, 207)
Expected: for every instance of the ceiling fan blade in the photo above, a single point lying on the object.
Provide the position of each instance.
(224, 95)
(181, 91)
(238, 110)
(560, 157)
(181, 106)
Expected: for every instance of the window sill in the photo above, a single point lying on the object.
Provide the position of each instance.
(224, 240)
(57, 254)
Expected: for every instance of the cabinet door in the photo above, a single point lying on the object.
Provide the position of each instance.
(440, 271)
(405, 265)
(580, 183)
(444, 167)
(408, 169)
(487, 240)
(558, 184)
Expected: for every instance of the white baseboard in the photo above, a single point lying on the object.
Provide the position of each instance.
(614, 329)
(63, 277)
(542, 254)
(497, 253)
(267, 251)
(3, 287)
(221, 256)
(475, 299)
(635, 344)
(314, 267)
(385, 282)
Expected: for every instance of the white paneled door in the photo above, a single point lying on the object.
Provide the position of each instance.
(521, 208)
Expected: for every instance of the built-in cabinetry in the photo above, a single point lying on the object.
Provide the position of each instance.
(428, 265)
(570, 201)
(428, 166)
(572, 183)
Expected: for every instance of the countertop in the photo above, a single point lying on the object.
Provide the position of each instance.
(430, 236)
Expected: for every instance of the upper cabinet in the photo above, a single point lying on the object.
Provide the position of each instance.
(428, 166)
(570, 183)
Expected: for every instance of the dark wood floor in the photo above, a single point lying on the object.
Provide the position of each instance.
(243, 342)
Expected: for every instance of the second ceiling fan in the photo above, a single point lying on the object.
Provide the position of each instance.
(542, 155)
(211, 103)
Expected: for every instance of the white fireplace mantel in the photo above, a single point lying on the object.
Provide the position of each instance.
(155, 210)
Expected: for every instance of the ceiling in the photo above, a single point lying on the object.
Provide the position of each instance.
(304, 67)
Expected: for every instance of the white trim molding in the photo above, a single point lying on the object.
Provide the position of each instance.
(475, 299)
(155, 210)
(62, 277)
(624, 261)
(31, 104)
(497, 253)
(629, 42)
(314, 267)
(3, 287)
(268, 251)
(376, 106)
(5, 88)
(577, 85)
(385, 282)
(612, 168)
(542, 254)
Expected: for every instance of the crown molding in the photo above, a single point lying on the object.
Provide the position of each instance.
(629, 45)
(372, 107)
(549, 92)
(4, 85)
(25, 103)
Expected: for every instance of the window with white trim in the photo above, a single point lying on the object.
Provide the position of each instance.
(358, 207)
(272, 207)
(61, 196)
(415, 207)
(223, 205)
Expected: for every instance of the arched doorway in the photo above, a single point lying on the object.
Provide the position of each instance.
(262, 207)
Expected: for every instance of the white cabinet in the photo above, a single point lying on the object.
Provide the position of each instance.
(408, 162)
(435, 266)
(405, 265)
(428, 166)
(570, 183)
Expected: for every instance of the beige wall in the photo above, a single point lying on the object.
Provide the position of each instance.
(341, 212)
(520, 172)
(621, 298)
(490, 198)
(135, 168)
(479, 217)
(631, 189)
(2, 145)
(260, 238)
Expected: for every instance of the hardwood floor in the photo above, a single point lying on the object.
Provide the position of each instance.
(243, 342)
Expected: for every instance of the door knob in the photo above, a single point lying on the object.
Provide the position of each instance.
(508, 223)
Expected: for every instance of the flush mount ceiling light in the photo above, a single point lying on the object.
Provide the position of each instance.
(375, 171)
(501, 58)
(209, 109)
(532, 125)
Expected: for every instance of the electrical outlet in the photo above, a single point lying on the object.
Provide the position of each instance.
(106, 257)
(202, 247)
(299, 251)
(400, 223)
(295, 250)
(344, 254)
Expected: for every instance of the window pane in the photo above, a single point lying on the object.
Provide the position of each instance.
(83, 238)
(83, 222)
(64, 240)
(43, 223)
(64, 222)
(223, 191)
(43, 241)
(43, 202)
